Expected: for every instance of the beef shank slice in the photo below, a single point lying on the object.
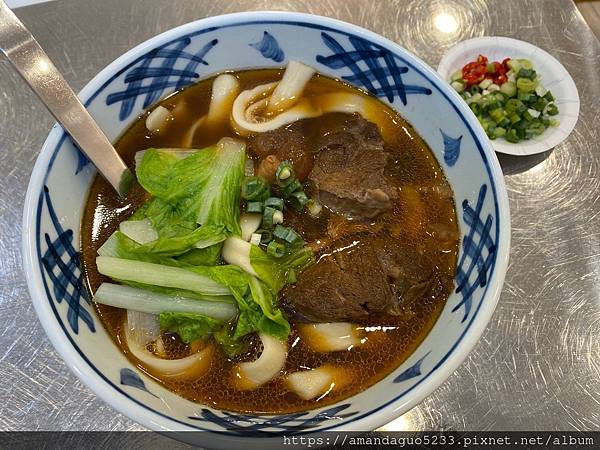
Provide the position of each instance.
(349, 284)
(349, 170)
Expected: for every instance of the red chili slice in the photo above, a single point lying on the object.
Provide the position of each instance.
(475, 71)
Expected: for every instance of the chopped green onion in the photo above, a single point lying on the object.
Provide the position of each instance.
(499, 132)
(288, 235)
(292, 186)
(518, 109)
(540, 104)
(511, 136)
(267, 221)
(536, 128)
(540, 90)
(275, 202)
(504, 123)
(514, 118)
(526, 85)
(497, 114)
(255, 207)
(525, 64)
(458, 86)
(314, 207)
(485, 83)
(526, 73)
(509, 89)
(456, 76)
(516, 105)
(266, 236)
(277, 217)
(475, 97)
(551, 109)
(527, 97)
(514, 64)
(298, 200)
(275, 249)
(528, 117)
(281, 232)
(284, 173)
(256, 239)
(255, 189)
(548, 96)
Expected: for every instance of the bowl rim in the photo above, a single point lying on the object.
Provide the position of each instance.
(387, 411)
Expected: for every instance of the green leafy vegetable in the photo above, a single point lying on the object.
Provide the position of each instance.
(209, 256)
(203, 188)
(202, 281)
(174, 244)
(232, 345)
(272, 322)
(202, 237)
(274, 271)
(152, 302)
(188, 326)
(275, 249)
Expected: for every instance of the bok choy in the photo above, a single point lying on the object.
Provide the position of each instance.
(168, 257)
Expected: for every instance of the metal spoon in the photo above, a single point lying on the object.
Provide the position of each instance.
(26, 55)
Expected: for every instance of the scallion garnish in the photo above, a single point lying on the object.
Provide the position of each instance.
(284, 173)
(255, 189)
(280, 232)
(289, 188)
(506, 97)
(287, 234)
(268, 213)
(275, 249)
(298, 200)
(275, 202)
(266, 236)
(255, 207)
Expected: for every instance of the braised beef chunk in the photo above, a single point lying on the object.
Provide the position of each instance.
(368, 266)
(412, 275)
(286, 143)
(348, 170)
(366, 275)
(345, 164)
(348, 284)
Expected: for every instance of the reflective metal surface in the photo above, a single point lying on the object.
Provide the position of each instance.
(537, 366)
(30, 60)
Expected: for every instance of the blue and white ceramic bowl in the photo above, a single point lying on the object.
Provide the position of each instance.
(176, 58)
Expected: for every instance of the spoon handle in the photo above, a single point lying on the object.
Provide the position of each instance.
(32, 63)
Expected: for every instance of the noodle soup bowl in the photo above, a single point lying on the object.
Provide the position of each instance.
(160, 66)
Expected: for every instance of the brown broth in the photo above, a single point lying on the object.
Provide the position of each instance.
(421, 219)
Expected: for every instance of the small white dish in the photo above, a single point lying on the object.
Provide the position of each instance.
(553, 77)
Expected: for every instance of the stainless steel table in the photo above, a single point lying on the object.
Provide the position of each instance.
(537, 367)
